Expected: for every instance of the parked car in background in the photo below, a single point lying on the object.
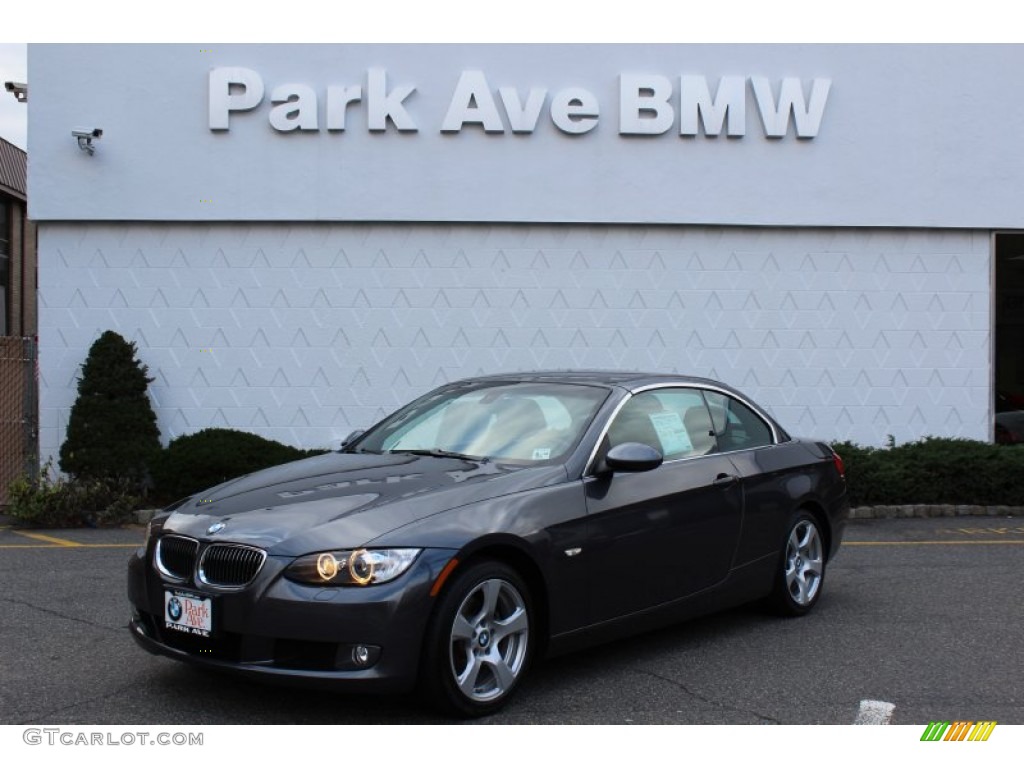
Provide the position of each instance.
(490, 522)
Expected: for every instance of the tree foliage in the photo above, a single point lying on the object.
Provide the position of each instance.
(112, 433)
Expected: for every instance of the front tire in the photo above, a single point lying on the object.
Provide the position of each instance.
(479, 642)
(801, 572)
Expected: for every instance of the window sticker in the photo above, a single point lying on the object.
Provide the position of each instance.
(541, 454)
(673, 435)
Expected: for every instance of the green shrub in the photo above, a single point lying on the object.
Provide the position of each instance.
(209, 457)
(871, 477)
(45, 502)
(934, 470)
(112, 434)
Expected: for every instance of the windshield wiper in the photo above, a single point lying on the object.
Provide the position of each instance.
(442, 454)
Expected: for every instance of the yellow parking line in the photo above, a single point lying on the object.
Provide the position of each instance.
(102, 546)
(935, 543)
(48, 539)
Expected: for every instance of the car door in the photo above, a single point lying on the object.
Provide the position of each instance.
(771, 473)
(666, 533)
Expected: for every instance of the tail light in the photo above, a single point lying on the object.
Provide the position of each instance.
(840, 467)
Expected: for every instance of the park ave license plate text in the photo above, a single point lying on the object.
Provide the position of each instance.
(188, 612)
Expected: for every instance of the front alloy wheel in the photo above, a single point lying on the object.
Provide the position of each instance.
(802, 572)
(479, 643)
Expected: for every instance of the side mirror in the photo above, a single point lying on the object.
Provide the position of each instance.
(633, 457)
(352, 437)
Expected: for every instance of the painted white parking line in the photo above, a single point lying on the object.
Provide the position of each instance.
(874, 713)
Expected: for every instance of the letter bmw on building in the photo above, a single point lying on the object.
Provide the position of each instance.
(491, 522)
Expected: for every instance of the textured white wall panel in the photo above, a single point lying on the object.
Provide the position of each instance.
(302, 332)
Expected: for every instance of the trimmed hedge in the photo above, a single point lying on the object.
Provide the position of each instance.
(192, 463)
(930, 471)
(934, 470)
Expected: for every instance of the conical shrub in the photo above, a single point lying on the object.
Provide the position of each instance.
(112, 433)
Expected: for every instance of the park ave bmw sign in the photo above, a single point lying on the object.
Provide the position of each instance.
(648, 105)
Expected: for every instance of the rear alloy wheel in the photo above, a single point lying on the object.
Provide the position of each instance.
(479, 642)
(802, 570)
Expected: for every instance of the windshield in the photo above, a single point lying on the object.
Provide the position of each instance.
(518, 422)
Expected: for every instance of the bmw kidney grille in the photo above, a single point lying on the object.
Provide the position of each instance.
(230, 566)
(176, 557)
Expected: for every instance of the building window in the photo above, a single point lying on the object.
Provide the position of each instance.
(1009, 346)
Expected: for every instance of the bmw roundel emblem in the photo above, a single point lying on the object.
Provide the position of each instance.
(174, 609)
(215, 528)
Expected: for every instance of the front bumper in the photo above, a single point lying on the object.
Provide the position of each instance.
(278, 630)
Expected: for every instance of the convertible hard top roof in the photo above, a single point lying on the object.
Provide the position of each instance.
(626, 379)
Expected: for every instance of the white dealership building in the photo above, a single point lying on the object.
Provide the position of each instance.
(301, 237)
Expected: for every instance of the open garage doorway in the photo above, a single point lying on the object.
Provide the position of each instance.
(1009, 338)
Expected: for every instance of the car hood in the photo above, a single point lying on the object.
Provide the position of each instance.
(343, 501)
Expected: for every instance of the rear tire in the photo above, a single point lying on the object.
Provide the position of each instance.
(801, 571)
(479, 641)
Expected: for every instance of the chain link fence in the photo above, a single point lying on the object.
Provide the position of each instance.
(19, 419)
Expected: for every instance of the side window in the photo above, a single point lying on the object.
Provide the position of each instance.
(736, 426)
(676, 421)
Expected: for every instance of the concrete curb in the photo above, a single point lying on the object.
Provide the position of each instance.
(882, 512)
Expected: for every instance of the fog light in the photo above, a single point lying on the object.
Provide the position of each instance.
(358, 656)
(361, 655)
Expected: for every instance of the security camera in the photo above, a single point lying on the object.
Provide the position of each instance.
(20, 90)
(85, 137)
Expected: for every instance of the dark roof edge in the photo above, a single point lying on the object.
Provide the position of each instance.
(13, 170)
(4, 189)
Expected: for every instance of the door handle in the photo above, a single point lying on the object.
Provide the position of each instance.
(725, 481)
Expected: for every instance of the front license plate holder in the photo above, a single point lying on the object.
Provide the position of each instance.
(188, 613)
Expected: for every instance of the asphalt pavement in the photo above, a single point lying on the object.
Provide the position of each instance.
(922, 614)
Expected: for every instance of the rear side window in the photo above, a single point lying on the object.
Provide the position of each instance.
(736, 426)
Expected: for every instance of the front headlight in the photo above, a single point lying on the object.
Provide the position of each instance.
(356, 568)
